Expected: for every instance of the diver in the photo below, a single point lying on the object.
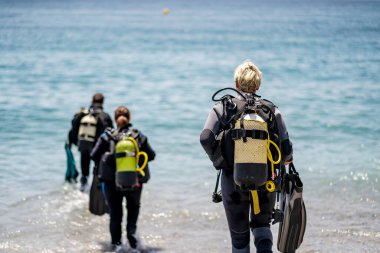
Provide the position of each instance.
(87, 126)
(123, 155)
(246, 138)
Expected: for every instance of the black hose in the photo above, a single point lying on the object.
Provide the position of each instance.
(228, 88)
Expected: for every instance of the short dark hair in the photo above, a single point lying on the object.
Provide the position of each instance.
(98, 98)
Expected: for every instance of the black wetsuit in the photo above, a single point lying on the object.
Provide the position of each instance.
(104, 121)
(114, 196)
(237, 202)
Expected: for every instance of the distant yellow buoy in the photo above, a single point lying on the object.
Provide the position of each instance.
(166, 11)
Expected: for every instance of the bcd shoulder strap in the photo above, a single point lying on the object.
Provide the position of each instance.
(232, 110)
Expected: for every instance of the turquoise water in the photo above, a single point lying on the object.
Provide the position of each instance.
(320, 62)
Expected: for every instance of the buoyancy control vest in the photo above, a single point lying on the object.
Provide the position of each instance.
(127, 155)
(108, 161)
(87, 131)
(250, 140)
(251, 148)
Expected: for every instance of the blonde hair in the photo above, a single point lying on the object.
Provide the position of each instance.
(247, 77)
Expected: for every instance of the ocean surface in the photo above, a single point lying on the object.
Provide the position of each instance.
(320, 62)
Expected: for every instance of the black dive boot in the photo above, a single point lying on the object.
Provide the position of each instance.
(132, 241)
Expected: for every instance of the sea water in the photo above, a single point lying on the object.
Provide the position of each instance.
(320, 62)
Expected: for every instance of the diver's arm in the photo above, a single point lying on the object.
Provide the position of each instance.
(73, 133)
(71, 138)
(147, 148)
(210, 130)
(286, 144)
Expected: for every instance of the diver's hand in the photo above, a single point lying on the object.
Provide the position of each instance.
(288, 162)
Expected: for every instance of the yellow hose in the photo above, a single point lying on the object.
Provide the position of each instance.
(135, 144)
(141, 169)
(270, 157)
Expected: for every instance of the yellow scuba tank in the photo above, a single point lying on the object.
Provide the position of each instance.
(127, 162)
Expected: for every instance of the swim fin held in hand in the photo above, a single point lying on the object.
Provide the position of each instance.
(292, 228)
(71, 169)
(97, 205)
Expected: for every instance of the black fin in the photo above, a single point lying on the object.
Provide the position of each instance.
(98, 204)
(292, 229)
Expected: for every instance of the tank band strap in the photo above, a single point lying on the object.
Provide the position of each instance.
(125, 154)
(87, 124)
(255, 202)
(86, 137)
(255, 134)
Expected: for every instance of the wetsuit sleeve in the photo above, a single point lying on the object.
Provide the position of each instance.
(286, 144)
(145, 146)
(100, 148)
(210, 130)
(71, 137)
(73, 133)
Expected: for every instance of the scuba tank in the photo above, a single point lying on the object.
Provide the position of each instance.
(250, 154)
(87, 132)
(127, 162)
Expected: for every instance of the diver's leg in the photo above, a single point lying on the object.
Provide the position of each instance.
(85, 166)
(133, 209)
(260, 223)
(236, 205)
(114, 200)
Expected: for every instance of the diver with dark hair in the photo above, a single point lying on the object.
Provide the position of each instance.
(123, 155)
(87, 126)
(246, 138)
